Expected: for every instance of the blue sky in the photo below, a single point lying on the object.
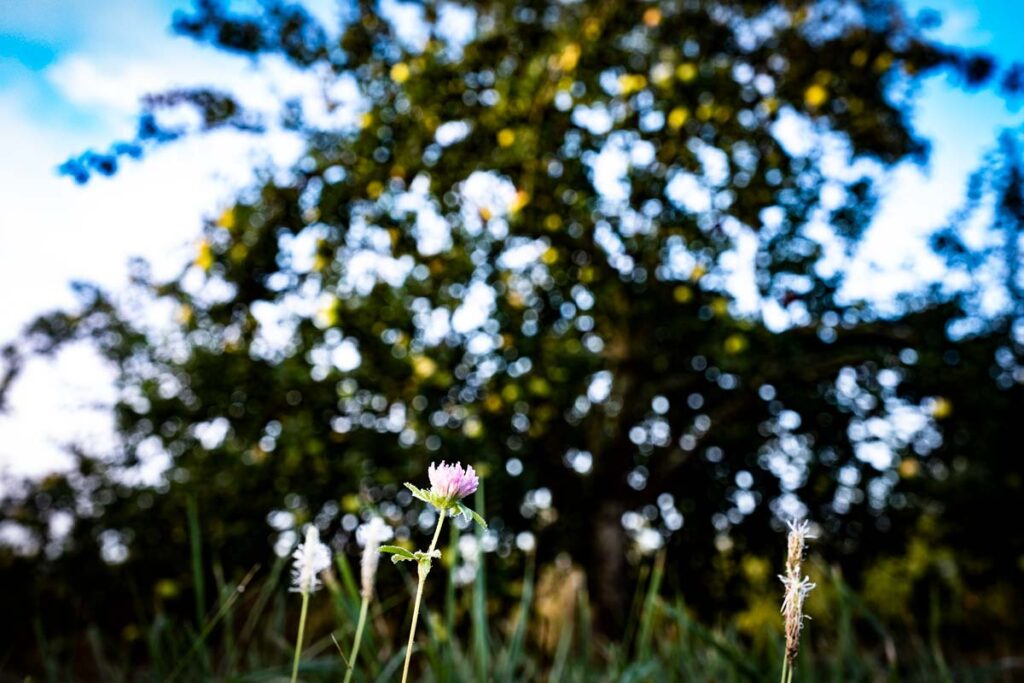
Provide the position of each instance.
(71, 73)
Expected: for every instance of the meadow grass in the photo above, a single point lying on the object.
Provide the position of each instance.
(244, 636)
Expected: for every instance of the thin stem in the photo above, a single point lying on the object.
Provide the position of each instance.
(302, 631)
(359, 637)
(785, 670)
(437, 532)
(424, 569)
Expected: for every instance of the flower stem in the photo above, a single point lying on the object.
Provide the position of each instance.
(359, 637)
(437, 532)
(424, 569)
(787, 671)
(302, 631)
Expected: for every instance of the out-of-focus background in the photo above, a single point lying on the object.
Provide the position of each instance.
(669, 274)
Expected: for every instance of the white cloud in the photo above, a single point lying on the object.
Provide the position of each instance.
(85, 83)
(55, 231)
(894, 256)
(57, 401)
(961, 22)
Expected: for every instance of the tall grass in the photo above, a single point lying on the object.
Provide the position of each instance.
(243, 638)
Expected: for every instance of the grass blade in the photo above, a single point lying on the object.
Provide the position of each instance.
(481, 648)
(643, 640)
(735, 657)
(198, 586)
(211, 623)
(513, 653)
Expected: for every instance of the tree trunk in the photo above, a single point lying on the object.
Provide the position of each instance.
(607, 577)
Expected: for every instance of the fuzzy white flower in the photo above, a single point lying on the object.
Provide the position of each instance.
(311, 558)
(370, 536)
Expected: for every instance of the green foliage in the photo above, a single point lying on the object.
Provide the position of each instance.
(398, 554)
(613, 370)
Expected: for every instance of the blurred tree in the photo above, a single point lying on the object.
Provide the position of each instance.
(592, 247)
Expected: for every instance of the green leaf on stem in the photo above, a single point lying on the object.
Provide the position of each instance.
(471, 514)
(398, 554)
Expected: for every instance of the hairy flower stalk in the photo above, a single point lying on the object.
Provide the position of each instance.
(449, 484)
(372, 534)
(311, 558)
(796, 589)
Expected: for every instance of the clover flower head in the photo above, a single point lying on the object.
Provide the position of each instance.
(311, 557)
(451, 483)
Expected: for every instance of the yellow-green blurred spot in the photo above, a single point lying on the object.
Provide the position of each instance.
(883, 62)
(678, 117)
(570, 57)
(661, 74)
(227, 219)
(686, 72)
(327, 314)
(510, 393)
(492, 403)
(400, 72)
(238, 252)
(204, 257)
(815, 96)
(166, 589)
(472, 427)
(631, 83)
(941, 408)
(423, 367)
(539, 386)
(350, 503)
(519, 201)
(909, 468)
(735, 343)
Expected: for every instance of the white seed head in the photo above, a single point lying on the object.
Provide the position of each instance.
(370, 536)
(800, 529)
(796, 591)
(796, 586)
(311, 558)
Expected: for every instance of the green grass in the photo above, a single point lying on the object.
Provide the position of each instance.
(248, 636)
